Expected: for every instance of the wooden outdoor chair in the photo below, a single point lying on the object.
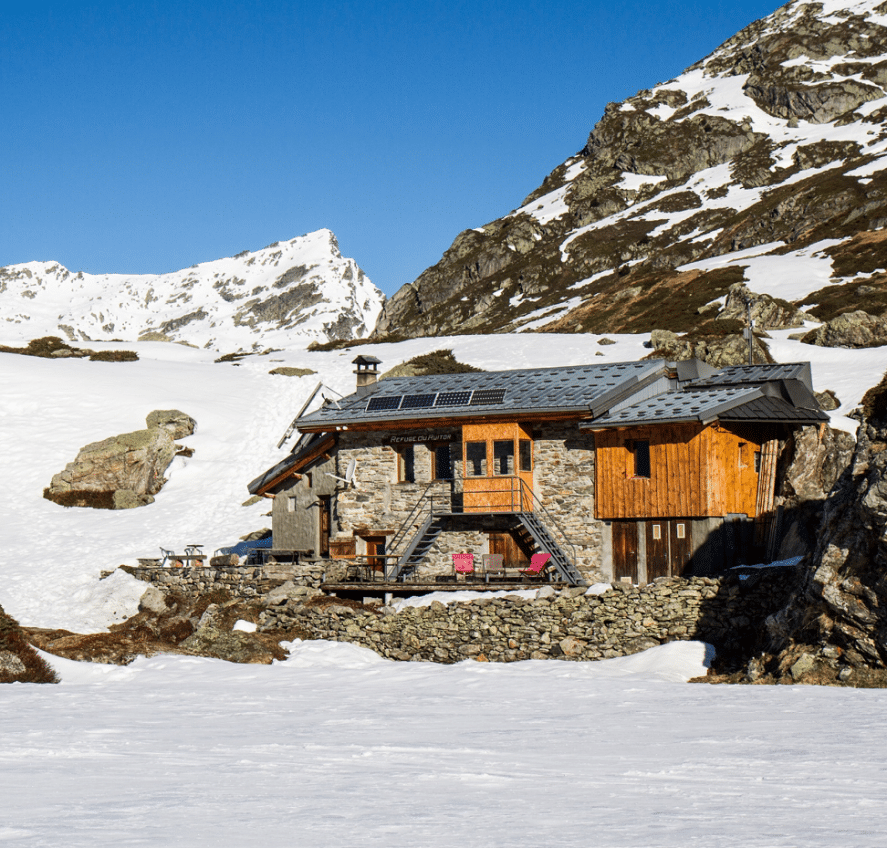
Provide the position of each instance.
(493, 566)
(463, 564)
(538, 566)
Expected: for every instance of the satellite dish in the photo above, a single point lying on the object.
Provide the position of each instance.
(348, 479)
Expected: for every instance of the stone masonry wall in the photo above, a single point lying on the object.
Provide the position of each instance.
(237, 580)
(727, 612)
(563, 481)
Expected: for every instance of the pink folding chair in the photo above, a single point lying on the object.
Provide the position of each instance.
(463, 563)
(538, 565)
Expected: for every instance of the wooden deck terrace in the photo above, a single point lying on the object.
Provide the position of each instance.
(401, 589)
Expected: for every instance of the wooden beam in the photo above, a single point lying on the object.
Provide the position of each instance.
(319, 449)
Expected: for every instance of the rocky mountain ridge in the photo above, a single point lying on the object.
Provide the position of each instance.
(764, 164)
(303, 288)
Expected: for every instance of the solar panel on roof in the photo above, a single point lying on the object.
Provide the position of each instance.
(379, 404)
(481, 396)
(453, 399)
(417, 401)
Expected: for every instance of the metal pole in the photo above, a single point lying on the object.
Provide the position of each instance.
(750, 331)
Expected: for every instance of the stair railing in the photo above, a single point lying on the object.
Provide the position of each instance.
(528, 496)
(425, 500)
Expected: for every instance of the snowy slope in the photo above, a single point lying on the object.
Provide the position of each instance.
(302, 288)
(51, 557)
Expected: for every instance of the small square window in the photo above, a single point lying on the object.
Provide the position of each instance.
(657, 531)
(680, 531)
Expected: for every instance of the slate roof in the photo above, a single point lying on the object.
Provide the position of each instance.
(524, 391)
(760, 403)
(700, 405)
(732, 375)
(774, 409)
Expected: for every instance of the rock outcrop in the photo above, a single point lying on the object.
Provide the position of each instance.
(810, 465)
(768, 313)
(125, 471)
(716, 350)
(836, 623)
(19, 662)
(638, 230)
(171, 623)
(852, 329)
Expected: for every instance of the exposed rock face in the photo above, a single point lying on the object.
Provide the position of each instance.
(177, 423)
(767, 312)
(718, 351)
(635, 232)
(839, 616)
(212, 638)
(811, 463)
(852, 329)
(124, 471)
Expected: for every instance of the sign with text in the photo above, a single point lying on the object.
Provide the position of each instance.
(419, 438)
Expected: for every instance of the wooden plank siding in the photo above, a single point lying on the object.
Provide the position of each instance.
(695, 470)
(494, 492)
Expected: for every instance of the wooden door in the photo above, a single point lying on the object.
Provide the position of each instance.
(680, 547)
(625, 550)
(514, 553)
(375, 552)
(325, 522)
(657, 549)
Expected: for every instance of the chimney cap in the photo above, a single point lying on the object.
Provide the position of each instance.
(366, 361)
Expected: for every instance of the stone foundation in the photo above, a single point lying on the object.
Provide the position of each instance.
(728, 612)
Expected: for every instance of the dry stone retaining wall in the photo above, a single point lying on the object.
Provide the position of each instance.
(237, 580)
(726, 611)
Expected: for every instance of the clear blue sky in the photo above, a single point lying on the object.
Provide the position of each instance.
(145, 137)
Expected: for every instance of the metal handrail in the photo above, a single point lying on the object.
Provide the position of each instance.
(549, 518)
(519, 494)
(410, 520)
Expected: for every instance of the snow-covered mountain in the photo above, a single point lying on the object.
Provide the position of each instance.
(764, 162)
(302, 288)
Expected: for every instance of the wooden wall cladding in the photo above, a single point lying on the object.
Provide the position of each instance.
(496, 493)
(343, 549)
(694, 471)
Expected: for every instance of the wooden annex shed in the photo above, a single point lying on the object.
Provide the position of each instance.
(621, 471)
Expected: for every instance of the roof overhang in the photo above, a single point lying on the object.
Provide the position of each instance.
(275, 475)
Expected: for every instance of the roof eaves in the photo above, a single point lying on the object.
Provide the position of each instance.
(290, 465)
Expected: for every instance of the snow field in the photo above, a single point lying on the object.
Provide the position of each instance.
(337, 747)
